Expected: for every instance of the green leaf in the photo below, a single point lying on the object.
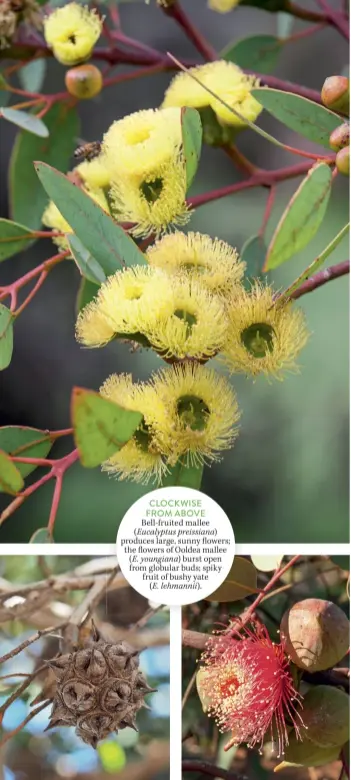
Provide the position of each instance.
(86, 292)
(307, 118)
(302, 217)
(32, 75)
(253, 253)
(111, 247)
(239, 583)
(192, 139)
(41, 536)
(13, 238)
(28, 122)
(10, 477)
(259, 52)
(27, 197)
(101, 427)
(24, 442)
(343, 561)
(181, 475)
(6, 336)
(85, 261)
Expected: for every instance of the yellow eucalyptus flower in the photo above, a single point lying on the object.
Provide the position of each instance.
(94, 173)
(224, 78)
(200, 413)
(142, 142)
(223, 6)
(263, 337)
(71, 32)
(139, 460)
(213, 262)
(154, 202)
(195, 325)
(129, 302)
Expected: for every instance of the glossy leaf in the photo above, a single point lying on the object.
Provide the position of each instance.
(192, 140)
(109, 244)
(86, 263)
(31, 76)
(6, 336)
(26, 443)
(259, 53)
(10, 478)
(86, 292)
(63, 124)
(25, 121)
(302, 217)
(101, 427)
(13, 238)
(307, 118)
(239, 583)
(181, 475)
(41, 536)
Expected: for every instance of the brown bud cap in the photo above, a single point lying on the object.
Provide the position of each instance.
(340, 137)
(306, 753)
(336, 94)
(84, 81)
(326, 716)
(316, 634)
(342, 161)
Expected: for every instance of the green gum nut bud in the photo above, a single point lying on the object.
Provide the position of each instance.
(342, 161)
(326, 716)
(306, 753)
(316, 634)
(84, 81)
(336, 94)
(340, 137)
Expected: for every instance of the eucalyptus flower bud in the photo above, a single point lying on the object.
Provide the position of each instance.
(316, 634)
(342, 161)
(336, 94)
(84, 81)
(340, 137)
(326, 716)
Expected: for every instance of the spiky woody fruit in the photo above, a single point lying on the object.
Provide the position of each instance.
(84, 81)
(99, 689)
(316, 634)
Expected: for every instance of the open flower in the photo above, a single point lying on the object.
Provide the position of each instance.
(194, 326)
(130, 302)
(153, 202)
(247, 686)
(225, 79)
(141, 142)
(94, 173)
(263, 336)
(139, 460)
(212, 262)
(71, 32)
(223, 6)
(196, 415)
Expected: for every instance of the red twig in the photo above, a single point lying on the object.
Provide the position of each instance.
(176, 12)
(336, 18)
(268, 209)
(327, 275)
(41, 271)
(205, 768)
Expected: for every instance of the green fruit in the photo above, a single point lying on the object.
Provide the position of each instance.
(84, 81)
(306, 753)
(316, 633)
(326, 715)
(342, 161)
(336, 94)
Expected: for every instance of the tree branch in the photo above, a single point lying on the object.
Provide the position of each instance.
(205, 768)
(327, 275)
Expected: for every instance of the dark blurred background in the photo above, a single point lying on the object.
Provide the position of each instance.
(286, 479)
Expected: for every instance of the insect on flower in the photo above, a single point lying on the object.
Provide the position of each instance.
(88, 151)
(247, 686)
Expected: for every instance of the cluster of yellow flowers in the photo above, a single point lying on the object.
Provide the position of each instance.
(187, 302)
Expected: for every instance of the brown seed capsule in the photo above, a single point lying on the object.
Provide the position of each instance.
(306, 753)
(316, 634)
(99, 689)
(336, 94)
(340, 137)
(342, 161)
(84, 81)
(326, 716)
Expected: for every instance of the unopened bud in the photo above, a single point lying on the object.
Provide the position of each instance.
(84, 81)
(326, 716)
(336, 94)
(342, 161)
(340, 137)
(316, 633)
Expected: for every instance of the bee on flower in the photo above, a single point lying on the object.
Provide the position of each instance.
(263, 336)
(71, 32)
(246, 685)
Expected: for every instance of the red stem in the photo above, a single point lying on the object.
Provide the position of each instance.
(336, 18)
(327, 275)
(55, 505)
(178, 14)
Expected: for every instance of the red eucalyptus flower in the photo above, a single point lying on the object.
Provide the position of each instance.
(249, 688)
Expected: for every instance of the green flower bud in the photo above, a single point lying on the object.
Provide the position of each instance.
(306, 753)
(316, 634)
(342, 161)
(326, 715)
(340, 137)
(84, 81)
(336, 94)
